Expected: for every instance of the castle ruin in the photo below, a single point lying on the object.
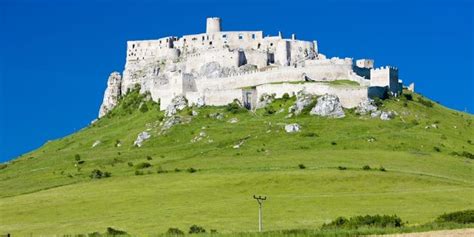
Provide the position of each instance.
(217, 67)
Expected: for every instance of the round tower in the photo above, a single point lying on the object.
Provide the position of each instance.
(213, 25)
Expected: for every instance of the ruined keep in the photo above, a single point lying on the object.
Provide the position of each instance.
(217, 67)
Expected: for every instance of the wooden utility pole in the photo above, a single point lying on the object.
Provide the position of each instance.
(260, 200)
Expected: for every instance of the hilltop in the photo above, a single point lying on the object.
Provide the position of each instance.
(202, 165)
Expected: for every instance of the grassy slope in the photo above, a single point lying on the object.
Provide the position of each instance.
(43, 192)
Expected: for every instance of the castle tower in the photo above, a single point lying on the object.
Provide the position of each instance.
(213, 25)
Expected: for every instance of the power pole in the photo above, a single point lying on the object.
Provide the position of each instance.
(260, 200)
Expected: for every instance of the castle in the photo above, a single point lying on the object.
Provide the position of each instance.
(217, 67)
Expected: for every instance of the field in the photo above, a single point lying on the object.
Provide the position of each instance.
(419, 168)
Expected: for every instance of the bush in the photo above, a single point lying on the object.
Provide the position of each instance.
(424, 102)
(3, 166)
(461, 217)
(342, 168)
(195, 229)
(177, 170)
(191, 170)
(333, 143)
(77, 157)
(138, 172)
(269, 110)
(130, 164)
(235, 107)
(366, 167)
(302, 166)
(174, 231)
(142, 165)
(437, 149)
(112, 231)
(365, 221)
(464, 154)
(382, 169)
(286, 96)
(160, 170)
(149, 158)
(408, 96)
(98, 174)
(143, 108)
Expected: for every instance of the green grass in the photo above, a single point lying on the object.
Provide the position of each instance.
(43, 192)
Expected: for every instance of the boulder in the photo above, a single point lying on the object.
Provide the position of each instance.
(96, 143)
(291, 128)
(328, 106)
(387, 115)
(302, 100)
(112, 93)
(143, 136)
(366, 107)
(233, 120)
(200, 102)
(170, 122)
(178, 103)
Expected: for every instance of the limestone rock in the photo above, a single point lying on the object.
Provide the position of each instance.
(112, 93)
(328, 106)
(170, 122)
(302, 100)
(366, 107)
(143, 136)
(233, 120)
(291, 128)
(215, 70)
(96, 143)
(194, 113)
(177, 104)
(387, 115)
(264, 100)
(375, 114)
(200, 102)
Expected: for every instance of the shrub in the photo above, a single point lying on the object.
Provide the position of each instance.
(195, 229)
(437, 149)
(177, 170)
(112, 231)
(191, 170)
(333, 143)
(3, 166)
(130, 163)
(302, 166)
(77, 157)
(149, 158)
(213, 231)
(461, 217)
(138, 172)
(143, 108)
(174, 231)
(382, 169)
(342, 168)
(424, 102)
(160, 170)
(286, 96)
(464, 154)
(98, 174)
(234, 107)
(365, 221)
(366, 167)
(269, 110)
(142, 165)
(408, 96)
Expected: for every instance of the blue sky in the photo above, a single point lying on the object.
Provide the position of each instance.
(56, 55)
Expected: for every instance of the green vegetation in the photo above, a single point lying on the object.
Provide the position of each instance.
(343, 83)
(48, 192)
(461, 217)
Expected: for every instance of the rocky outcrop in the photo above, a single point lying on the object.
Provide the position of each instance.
(366, 107)
(177, 104)
(328, 106)
(387, 115)
(112, 93)
(302, 100)
(143, 136)
(264, 100)
(291, 128)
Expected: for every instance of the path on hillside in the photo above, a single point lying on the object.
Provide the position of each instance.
(438, 233)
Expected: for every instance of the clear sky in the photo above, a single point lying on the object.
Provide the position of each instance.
(56, 55)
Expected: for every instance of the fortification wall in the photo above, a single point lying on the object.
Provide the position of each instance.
(385, 76)
(350, 96)
(224, 57)
(321, 72)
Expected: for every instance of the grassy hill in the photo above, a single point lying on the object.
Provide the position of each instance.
(420, 167)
